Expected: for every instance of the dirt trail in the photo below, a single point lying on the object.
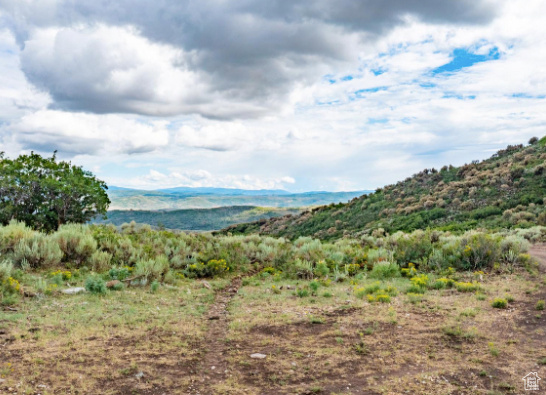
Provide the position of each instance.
(213, 367)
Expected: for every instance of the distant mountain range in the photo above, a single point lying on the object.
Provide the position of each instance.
(198, 198)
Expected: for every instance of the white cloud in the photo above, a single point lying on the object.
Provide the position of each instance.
(202, 178)
(264, 113)
(78, 133)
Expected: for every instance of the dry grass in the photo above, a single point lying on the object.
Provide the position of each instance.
(448, 342)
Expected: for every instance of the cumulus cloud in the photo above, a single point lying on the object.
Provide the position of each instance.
(290, 94)
(203, 178)
(78, 133)
(215, 58)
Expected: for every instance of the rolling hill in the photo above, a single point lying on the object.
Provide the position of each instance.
(196, 219)
(504, 191)
(198, 198)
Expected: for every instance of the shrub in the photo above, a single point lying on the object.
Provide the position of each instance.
(378, 255)
(302, 293)
(410, 247)
(385, 270)
(152, 269)
(154, 286)
(467, 287)
(6, 268)
(12, 234)
(212, 268)
(382, 298)
(414, 297)
(351, 269)
(64, 275)
(76, 242)
(540, 305)
(321, 269)
(95, 285)
(360, 292)
(37, 251)
(410, 271)
(480, 251)
(100, 261)
(499, 303)
(119, 273)
(442, 283)
(420, 280)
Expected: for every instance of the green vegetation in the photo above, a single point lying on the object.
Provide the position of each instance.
(505, 191)
(44, 193)
(196, 219)
(280, 315)
(147, 256)
(499, 303)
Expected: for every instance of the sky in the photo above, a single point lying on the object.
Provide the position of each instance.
(297, 95)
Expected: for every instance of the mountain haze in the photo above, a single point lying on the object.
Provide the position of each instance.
(197, 198)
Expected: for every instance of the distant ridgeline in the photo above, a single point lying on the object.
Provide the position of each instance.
(195, 219)
(190, 198)
(505, 191)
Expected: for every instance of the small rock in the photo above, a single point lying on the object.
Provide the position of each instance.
(73, 291)
(112, 284)
(258, 356)
(2, 381)
(213, 367)
(139, 375)
(288, 287)
(206, 285)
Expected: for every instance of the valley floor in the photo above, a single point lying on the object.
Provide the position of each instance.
(190, 339)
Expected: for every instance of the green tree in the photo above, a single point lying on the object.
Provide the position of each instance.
(45, 193)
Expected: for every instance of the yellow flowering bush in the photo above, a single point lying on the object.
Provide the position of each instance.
(420, 280)
(352, 269)
(381, 298)
(11, 285)
(212, 268)
(64, 274)
(442, 283)
(467, 287)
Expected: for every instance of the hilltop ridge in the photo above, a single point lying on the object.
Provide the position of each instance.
(504, 191)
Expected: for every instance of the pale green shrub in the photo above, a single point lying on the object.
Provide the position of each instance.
(76, 242)
(100, 261)
(11, 234)
(152, 269)
(6, 269)
(384, 270)
(37, 251)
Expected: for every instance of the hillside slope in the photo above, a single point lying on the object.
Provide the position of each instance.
(196, 219)
(504, 191)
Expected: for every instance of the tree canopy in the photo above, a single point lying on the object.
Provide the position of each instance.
(45, 193)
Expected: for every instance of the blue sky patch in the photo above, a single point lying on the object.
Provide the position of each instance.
(362, 92)
(527, 96)
(427, 85)
(378, 71)
(462, 58)
(373, 121)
